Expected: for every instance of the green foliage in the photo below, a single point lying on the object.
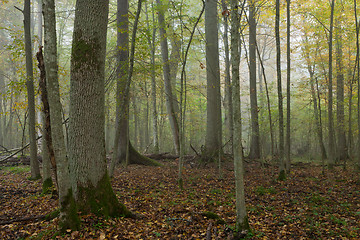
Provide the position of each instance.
(16, 169)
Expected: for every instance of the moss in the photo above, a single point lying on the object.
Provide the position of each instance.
(137, 158)
(52, 215)
(282, 175)
(47, 186)
(101, 200)
(242, 229)
(69, 218)
(214, 216)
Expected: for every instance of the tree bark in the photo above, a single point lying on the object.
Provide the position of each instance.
(288, 81)
(331, 146)
(34, 164)
(282, 173)
(90, 181)
(213, 140)
(255, 131)
(151, 41)
(340, 115)
(241, 214)
(228, 93)
(66, 204)
(167, 78)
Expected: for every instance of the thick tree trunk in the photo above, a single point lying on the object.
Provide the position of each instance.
(282, 173)
(357, 67)
(167, 79)
(90, 181)
(341, 148)
(255, 131)
(66, 204)
(213, 140)
(34, 164)
(241, 214)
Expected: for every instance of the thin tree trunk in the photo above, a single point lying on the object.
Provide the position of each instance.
(357, 67)
(228, 92)
(167, 79)
(66, 205)
(288, 81)
(34, 164)
(331, 150)
(242, 223)
(255, 131)
(282, 173)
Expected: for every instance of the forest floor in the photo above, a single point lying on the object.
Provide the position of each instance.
(308, 205)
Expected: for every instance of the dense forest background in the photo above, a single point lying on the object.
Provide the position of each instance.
(309, 33)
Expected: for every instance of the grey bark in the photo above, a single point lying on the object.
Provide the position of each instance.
(228, 92)
(57, 134)
(241, 214)
(279, 86)
(167, 78)
(213, 140)
(151, 41)
(255, 131)
(357, 68)
(34, 164)
(288, 85)
(331, 144)
(341, 146)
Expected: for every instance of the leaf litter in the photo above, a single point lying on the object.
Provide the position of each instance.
(308, 205)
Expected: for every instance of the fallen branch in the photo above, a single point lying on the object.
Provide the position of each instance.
(25, 219)
(10, 156)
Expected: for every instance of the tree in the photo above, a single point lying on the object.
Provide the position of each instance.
(91, 186)
(282, 174)
(241, 214)
(167, 78)
(255, 131)
(213, 140)
(331, 144)
(66, 204)
(288, 81)
(34, 164)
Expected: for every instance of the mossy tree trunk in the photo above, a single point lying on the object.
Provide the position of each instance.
(89, 177)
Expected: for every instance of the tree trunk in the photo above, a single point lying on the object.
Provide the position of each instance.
(288, 80)
(282, 173)
(241, 214)
(151, 41)
(255, 131)
(47, 146)
(357, 67)
(167, 79)
(228, 93)
(34, 164)
(66, 204)
(331, 150)
(340, 115)
(90, 181)
(213, 140)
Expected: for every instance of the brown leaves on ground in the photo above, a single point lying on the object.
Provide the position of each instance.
(307, 205)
